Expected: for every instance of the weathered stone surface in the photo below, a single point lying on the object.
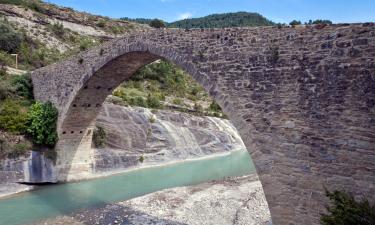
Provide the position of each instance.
(262, 77)
(236, 201)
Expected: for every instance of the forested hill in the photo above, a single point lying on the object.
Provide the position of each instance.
(239, 19)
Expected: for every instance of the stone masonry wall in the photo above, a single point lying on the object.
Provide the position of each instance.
(301, 98)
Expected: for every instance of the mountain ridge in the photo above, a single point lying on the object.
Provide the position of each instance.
(217, 20)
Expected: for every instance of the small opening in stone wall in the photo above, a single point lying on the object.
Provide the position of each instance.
(64, 132)
(74, 105)
(98, 87)
(81, 132)
(72, 132)
(109, 89)
(85, 87)
(88, 105)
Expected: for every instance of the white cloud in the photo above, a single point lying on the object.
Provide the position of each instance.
(185, 15)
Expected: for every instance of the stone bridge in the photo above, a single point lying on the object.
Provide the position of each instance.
(302, 99)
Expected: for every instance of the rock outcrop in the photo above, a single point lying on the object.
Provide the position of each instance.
(131, 133)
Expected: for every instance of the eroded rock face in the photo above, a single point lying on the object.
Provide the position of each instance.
(160, 137)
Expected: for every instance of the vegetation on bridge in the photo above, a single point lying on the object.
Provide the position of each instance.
(345, 210)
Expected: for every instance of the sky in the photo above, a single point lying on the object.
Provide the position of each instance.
(280, 11)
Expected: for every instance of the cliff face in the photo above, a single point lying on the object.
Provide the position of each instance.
(159, 137)
(136, 137)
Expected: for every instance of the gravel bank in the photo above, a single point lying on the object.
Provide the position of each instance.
(237, 201)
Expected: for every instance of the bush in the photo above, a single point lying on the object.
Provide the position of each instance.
(58, 30)
(214, 107)
(42, 121)
(99, 137)
(137, 101)
(153, 102)
(24, 86)
(274, 54)
(347, 211)
(156, 23)
(177, 101)
(141, 159)
(10, 40)
(19, 149)
(13, 118)
(101, 23)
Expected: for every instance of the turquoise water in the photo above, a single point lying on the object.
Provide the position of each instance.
(62, 199)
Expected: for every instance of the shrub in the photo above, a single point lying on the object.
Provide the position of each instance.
(6, 59)
(24, 86)
(153, 102)
(19, 149)
(345, 210)
(10, 40)
(4, 92)
(101, 23)
(141, 159)
(99, 137)
(177, 101)
(156, 23)
(58, 29)
(274, 54)
(198, 108)
(137, 101)
(3, 71)
(13, 117)
(42, 121)
(214, 107)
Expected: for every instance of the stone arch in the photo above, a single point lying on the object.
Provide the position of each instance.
(302, 100)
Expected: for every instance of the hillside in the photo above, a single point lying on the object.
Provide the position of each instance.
(238, 19)
(57, 29)
(41, 34)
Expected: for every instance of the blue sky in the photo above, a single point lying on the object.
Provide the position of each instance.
(276, 10)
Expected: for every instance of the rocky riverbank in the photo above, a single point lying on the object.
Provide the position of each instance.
(237, 201)
(135, 137)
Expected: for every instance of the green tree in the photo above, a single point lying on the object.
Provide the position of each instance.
(42, 122)
(156, 23)
(295, 22)
(322, 22)
(10, 40)
(345, 210)
(24, 86)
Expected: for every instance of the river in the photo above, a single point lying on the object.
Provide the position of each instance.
(51, 201)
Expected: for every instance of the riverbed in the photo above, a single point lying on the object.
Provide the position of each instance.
(63, 199)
